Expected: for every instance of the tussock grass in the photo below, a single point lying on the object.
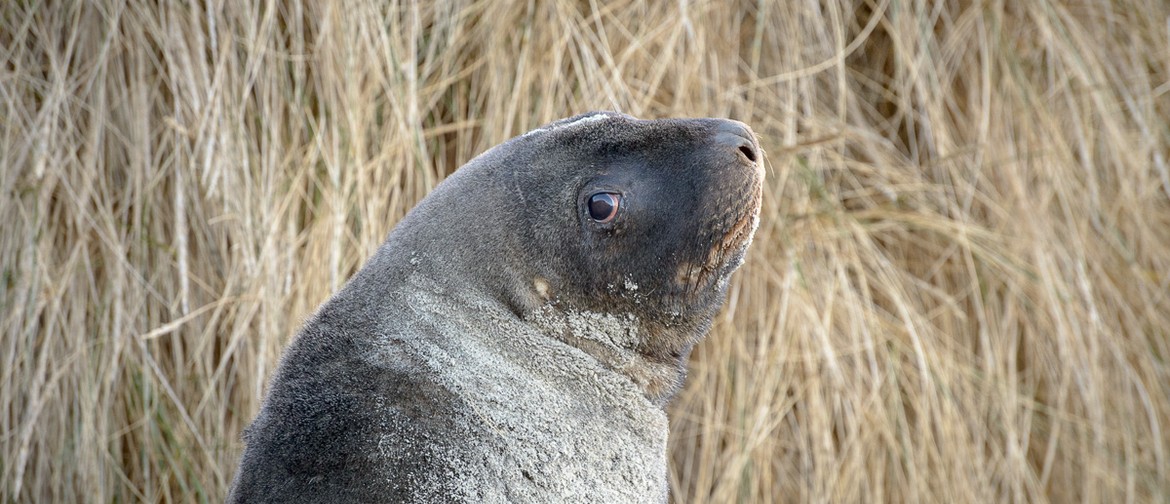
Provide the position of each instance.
(960, 290)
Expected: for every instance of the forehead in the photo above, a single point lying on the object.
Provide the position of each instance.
(575, 122)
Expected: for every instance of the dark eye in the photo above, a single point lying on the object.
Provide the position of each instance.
(603, 207)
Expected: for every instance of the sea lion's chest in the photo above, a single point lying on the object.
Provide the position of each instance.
(534, 419)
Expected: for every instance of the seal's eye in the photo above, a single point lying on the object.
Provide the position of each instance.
(603, 206)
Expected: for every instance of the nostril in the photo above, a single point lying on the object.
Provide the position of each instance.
(738, 136)
(748, 151)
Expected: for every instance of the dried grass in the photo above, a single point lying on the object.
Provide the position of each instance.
(960, 291)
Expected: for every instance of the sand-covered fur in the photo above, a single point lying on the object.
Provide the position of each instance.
(506, 344)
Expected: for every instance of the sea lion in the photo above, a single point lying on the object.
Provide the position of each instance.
(518, 335)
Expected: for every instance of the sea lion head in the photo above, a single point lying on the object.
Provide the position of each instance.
(601, 223)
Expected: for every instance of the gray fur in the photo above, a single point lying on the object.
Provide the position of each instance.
(501, 346)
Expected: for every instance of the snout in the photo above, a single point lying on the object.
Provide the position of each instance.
(733, 189)
(738, 137)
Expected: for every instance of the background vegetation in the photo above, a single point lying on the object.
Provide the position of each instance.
(960, 290)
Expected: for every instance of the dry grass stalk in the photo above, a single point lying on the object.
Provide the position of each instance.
(960, 291)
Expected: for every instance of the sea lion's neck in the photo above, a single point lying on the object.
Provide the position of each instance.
(614, 340)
